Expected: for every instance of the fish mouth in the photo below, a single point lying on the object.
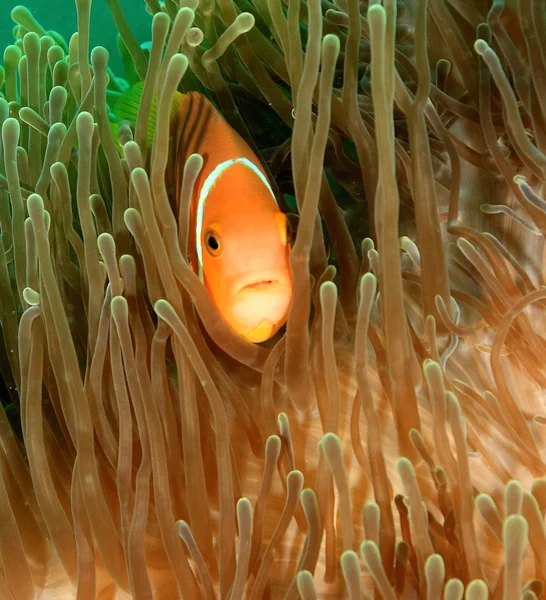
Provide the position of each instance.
(263, 285)
(262, 282)
(260, 303)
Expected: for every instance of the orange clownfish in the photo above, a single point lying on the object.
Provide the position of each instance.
(238, 241)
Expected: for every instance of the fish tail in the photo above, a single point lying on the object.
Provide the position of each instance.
(126, 108)
(114, 131)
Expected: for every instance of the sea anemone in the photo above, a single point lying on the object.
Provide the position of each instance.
(389, 441)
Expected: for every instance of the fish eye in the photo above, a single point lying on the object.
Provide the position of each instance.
(212, 242)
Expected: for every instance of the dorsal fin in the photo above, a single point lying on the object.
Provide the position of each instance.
(126, 108)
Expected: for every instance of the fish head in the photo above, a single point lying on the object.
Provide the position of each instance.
(247, 271)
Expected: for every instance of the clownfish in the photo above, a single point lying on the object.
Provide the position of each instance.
(238, 241)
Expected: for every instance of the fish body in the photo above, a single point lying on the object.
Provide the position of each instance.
(238, 241)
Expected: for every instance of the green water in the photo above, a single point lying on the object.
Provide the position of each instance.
(60, 15)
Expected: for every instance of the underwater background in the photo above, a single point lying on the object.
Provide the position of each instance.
(390, 440)
(60, 15)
